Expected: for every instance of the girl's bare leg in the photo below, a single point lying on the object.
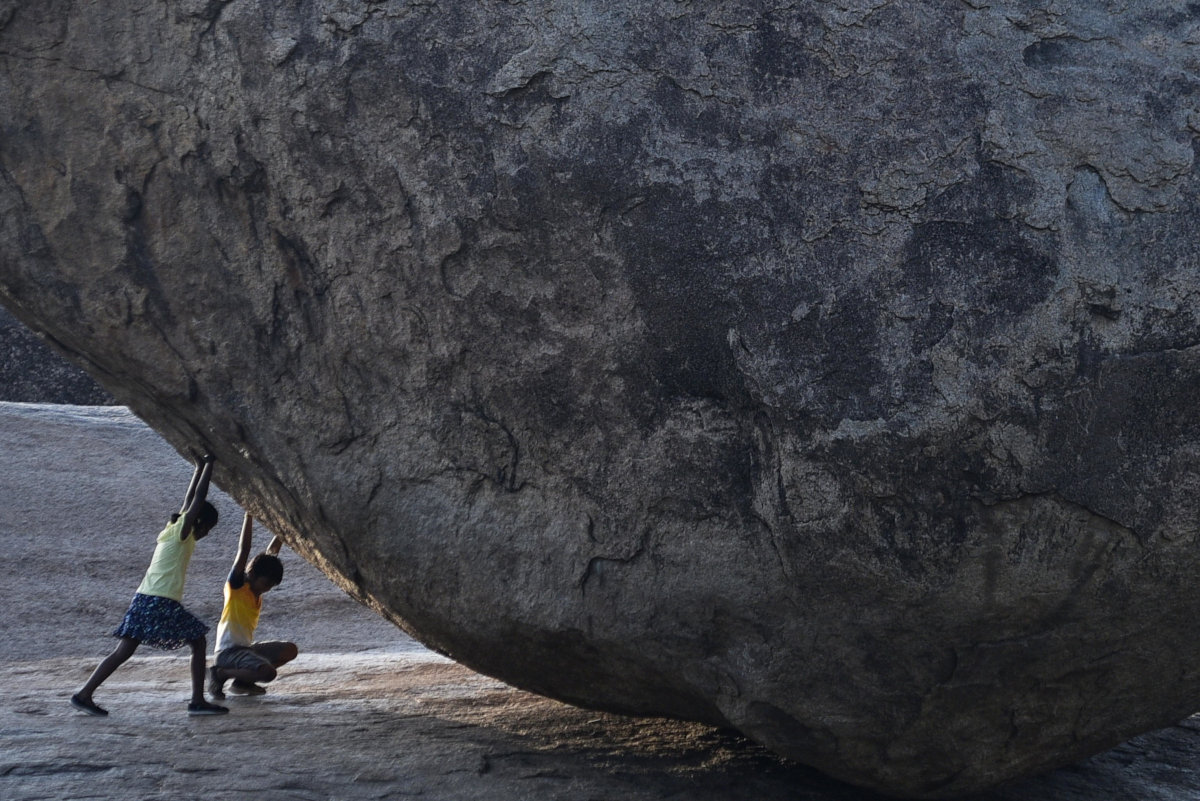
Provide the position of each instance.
(199, 706)
(83, 699)
(125, 648)
(199, 649)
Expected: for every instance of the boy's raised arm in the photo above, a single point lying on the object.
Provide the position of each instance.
(276, 544)
(243, 553)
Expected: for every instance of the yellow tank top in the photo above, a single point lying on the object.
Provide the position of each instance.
(239, 618)
(168, 566)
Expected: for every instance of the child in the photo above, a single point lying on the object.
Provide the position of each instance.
(238, 657)
(156, 616)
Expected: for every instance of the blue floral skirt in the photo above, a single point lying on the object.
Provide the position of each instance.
(160, 622)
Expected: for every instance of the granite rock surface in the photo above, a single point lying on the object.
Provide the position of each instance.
(822, 369)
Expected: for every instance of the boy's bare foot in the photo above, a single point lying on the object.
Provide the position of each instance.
(239, 687)
(86, 705)
(216, 686)
(205, 708)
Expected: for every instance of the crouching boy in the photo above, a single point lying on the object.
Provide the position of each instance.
(238, 657)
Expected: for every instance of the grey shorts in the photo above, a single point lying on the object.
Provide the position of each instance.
(252, 657)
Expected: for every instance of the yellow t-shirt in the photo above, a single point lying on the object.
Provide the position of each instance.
(168, 566)
(239, 618)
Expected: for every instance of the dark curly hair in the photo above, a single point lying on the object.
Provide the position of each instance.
(266, 566)
(207, 516)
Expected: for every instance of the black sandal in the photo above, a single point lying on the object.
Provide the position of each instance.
(88, 706)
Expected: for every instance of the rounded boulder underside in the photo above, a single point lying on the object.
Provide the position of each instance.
(824, 369)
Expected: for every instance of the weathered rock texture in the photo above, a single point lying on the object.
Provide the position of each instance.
(30, 372)
(826, 369)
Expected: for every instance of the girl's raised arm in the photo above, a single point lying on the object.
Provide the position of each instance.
(191, 490)
(197, 495)
(194, 485)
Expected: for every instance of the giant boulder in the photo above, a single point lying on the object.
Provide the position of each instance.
(824, 369)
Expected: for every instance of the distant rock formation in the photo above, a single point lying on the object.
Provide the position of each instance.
(826, 369)
(30, 372)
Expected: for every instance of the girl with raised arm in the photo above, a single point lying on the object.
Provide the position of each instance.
(156, 616)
